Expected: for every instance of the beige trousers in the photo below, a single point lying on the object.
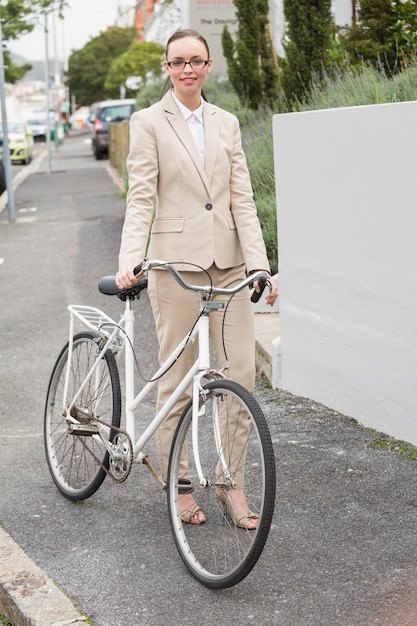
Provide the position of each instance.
(175, 311)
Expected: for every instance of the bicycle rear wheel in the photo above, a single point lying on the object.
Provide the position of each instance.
(77, 462)
(219, 553)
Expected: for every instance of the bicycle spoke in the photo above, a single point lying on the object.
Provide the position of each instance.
(236, 457)
(78, 463)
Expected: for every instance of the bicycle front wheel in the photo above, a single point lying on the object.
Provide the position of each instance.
(232, 441)
(78, 462)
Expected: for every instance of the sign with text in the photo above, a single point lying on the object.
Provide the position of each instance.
(209, 17)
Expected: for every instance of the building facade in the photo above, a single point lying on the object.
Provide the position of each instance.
(156, 20)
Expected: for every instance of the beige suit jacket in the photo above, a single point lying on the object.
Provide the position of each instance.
(202, 215)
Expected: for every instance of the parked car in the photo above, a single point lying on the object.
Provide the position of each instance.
(104, 113)
(20, 141)
(37, 124)
(38, 127)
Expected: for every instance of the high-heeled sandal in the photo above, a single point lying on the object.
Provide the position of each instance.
(188, 516)
(236, 516)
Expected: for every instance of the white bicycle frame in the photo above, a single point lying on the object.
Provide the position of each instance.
(122, 336)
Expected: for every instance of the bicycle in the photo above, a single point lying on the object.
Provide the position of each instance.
(84, 441)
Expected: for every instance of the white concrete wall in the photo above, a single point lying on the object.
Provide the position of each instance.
(346, 184)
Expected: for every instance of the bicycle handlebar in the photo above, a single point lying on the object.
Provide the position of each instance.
(108, 285)
(260, 276)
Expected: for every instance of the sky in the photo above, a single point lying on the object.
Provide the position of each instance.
(83, 19)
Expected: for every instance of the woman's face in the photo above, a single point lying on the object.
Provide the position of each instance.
(187, 81)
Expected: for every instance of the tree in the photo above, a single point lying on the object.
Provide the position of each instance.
(19, 18)
(251, 64)
(89, 66)
(141, 59)
(403, 33)
(368, 38)
(308, 42)
(384, 34)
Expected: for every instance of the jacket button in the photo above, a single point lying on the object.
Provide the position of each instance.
(208, 206)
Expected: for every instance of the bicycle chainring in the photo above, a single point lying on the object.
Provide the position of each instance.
(121, 457)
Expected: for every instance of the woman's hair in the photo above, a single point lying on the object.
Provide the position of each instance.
(187, 32)
(181, 34)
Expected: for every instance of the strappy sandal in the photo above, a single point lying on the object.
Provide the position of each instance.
(188, 515)
(236, 516)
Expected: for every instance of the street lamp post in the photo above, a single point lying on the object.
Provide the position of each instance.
(48, 117)
(6, 150)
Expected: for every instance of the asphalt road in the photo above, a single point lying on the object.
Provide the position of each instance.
(343, 545)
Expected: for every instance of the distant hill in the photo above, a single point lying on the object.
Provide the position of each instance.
(38, 70)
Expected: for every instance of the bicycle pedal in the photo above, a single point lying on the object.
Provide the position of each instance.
(86, 430)
(185, 486)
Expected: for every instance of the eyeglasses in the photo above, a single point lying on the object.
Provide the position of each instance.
(194, 63)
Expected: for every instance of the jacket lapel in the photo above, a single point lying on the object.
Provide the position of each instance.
(180, 127)
(211, 129)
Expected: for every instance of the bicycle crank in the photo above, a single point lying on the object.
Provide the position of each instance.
(121, 457)
(121, 448)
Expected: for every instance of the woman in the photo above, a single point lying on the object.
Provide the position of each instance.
(186, 161)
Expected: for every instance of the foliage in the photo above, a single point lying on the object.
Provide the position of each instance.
(19, 17)
(307, 45)
(149, 94)
(403, 32)
(89, 66)
(368, 39)
(384, 34)
(4, 621)
(140, 59)
(251, 63)
(12, 71)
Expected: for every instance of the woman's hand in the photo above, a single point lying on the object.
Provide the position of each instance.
(273, 293)
(125, 277)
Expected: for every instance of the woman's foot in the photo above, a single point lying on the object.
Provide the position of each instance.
(234, 500)
(190, 512)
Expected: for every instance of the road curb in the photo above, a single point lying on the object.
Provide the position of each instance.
(21, 176)
(28, 597)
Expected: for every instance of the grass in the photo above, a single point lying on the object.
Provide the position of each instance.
(4, 621)
(363, 86)
(407, 451)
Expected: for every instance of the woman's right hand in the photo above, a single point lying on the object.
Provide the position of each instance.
(125, 277)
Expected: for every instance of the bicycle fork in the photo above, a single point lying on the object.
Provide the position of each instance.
(199, 409)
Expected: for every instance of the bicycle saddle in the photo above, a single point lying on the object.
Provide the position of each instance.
(108, 286)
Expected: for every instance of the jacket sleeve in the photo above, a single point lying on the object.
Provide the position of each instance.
(244, 209)
(142, 168)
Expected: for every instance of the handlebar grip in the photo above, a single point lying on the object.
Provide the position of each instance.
(256, 295)
(137, 270)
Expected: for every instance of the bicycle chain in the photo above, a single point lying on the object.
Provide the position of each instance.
(129, 457)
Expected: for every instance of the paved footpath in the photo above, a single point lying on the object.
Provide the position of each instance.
(343, 545)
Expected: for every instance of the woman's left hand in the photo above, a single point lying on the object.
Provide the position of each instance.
(272, 295)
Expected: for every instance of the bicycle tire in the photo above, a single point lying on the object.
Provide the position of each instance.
(218, 553)
(73, 468)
